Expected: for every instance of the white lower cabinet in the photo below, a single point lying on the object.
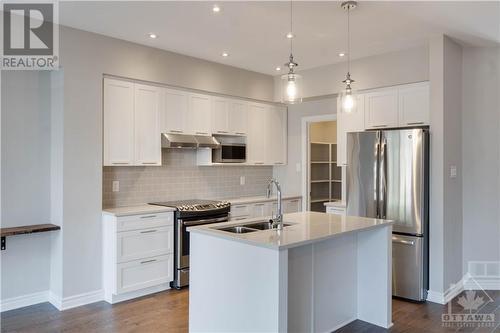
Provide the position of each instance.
(144, 273)
(263, 209)
(137, 255)
(292, 206)
(133, 245)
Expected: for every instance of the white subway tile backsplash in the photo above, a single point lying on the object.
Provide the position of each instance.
(180, 178)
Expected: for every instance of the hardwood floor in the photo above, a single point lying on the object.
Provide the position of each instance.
(168, 312)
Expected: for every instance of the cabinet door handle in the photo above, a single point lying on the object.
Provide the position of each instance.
(259, 204)
(240, 206)
(279, 163)
(416, 123)
(149, 162)
(296, 200)
(377, 126)
(259, 163)
(120, 163)
(202, 133)
(239, 133)
(223, 132)
(147, 261)
(176, 131)
(148, 216)
(148, 231)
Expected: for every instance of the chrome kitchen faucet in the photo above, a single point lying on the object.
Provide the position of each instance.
(277, 222)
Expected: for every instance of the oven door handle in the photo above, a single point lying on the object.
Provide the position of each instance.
(206, 221)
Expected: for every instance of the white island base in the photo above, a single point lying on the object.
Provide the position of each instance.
(315, 276)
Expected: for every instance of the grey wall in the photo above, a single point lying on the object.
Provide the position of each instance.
(452, 157)
(25, 185)
(384, 70)
(287, 175)
(446, 150)
(481, 155)
(85, 57)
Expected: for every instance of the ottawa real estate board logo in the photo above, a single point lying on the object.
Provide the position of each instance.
(30, 36)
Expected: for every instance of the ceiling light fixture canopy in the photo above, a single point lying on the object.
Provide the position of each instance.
(291, 83)
(348, 97)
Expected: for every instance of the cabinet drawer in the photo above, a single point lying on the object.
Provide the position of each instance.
(239, 210)
(262, 209)
(292, 206)
(335, 210)
(137, 244)
(144, 273)
(135, 222)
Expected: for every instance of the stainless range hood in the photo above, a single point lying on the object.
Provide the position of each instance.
(188, 141)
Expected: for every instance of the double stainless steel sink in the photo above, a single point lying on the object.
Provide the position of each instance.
(250, 227)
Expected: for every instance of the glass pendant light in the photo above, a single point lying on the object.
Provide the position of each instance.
(291, 83)
(348, 97)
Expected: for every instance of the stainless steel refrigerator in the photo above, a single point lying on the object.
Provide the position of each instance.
(388, 178)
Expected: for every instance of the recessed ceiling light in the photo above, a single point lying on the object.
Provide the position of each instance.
(216, 9)
(278, 68)
(341, 54)
(152, 36)
(225, 54)
(290, 35)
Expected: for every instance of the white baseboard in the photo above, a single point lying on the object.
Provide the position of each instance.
(77, 300)
(25, 300)
(112, 298)
(449, 294)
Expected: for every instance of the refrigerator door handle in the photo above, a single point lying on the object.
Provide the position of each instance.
(382, 201)
(398, 240)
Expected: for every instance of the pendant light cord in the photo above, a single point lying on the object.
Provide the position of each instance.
(348, 40)
(291, 26)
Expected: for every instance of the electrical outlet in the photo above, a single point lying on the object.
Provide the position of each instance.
(116, 186)
(453, 171)
(242, 180)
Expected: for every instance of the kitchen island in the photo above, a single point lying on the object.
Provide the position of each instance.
(319, 273)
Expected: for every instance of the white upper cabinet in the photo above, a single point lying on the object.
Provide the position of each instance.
(147, 105)
(381, 108)
(118, 122)
(200, 114)
(238, 117)
(220, 116)
(174, 117)
(256, 139)
(353, 121)
(414, 107)
(276, 135)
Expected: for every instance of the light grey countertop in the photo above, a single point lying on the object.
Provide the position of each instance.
(305, 228)
(136, 210)
(340, 204)
(150, 209)
(263, 198)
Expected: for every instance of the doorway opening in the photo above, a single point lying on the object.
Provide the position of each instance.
(323, 177)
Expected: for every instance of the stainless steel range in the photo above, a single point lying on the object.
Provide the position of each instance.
(190, 213)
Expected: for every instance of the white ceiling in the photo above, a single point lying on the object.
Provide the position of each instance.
(253, 33)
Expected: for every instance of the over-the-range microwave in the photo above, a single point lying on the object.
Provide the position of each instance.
(230, 153)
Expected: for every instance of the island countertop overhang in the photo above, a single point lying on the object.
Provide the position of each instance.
(306, 228)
